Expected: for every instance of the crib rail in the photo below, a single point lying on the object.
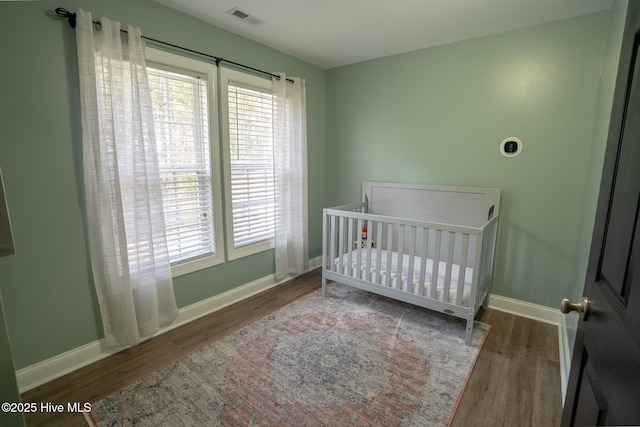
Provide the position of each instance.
(452, 251)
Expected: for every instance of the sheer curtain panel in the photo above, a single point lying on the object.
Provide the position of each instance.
(126, 229)
(290, 160)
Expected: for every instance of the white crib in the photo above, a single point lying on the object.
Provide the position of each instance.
(432, 246)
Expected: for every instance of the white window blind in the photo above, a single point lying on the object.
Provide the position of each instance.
(180, 112)
(251, 163)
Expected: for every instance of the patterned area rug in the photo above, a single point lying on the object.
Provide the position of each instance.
(351, 359)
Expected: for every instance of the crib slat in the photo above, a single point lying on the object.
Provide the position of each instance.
(378, 278)
(349, 267)
(447, 276)
(367, 272)
(389, 249)
(332, 244)
(400, 253)
(463, 268)
(359, 247)
(412, 254)
(436, 265)
(423, 260)
(341, 244)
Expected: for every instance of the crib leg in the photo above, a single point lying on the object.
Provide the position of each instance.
(485, 302)
(469, 334)
(324, 287)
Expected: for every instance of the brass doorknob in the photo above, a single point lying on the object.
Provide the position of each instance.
(582, 308)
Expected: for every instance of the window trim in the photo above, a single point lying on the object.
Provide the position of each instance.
(227, 75)
(178, 63)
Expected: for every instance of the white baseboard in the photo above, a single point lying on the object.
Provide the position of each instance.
(62, 364)
(525, 309)
(542, 314)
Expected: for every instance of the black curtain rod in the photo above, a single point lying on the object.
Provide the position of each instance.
(71, 17)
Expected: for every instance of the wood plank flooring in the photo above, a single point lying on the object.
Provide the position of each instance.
(516, 381)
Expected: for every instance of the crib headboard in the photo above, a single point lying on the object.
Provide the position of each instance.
(468, 206)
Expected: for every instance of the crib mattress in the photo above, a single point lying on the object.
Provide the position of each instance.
(379, 276)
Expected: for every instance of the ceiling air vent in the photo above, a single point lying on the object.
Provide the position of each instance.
(244, 16)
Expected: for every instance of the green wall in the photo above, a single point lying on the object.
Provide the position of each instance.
(438, 115)
(49, 300)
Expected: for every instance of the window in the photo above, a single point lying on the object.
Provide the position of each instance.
(185, 121)
(182, 93)
(247, 117)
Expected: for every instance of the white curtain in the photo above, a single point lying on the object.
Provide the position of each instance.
(290, 158)
(127, 241)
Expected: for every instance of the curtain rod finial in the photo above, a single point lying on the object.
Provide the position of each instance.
(65, 14)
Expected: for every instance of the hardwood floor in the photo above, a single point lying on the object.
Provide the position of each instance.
(516, 381)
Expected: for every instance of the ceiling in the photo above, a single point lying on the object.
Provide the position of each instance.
(331, 33)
